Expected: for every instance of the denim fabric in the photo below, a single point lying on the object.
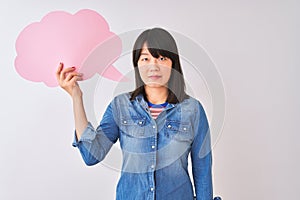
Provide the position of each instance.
(155, 152)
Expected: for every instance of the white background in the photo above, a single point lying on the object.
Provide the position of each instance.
(255, 46)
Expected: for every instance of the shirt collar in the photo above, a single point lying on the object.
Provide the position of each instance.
(140, 99)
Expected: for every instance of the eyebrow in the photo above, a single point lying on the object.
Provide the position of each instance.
(144, 53)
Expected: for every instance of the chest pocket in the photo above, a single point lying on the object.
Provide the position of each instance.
(177, 130)
(133, 126)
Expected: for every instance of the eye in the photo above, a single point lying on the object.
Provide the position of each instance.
(162, 58)
(144, 59)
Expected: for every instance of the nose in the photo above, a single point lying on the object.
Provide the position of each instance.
(153, 64)
(153, 61)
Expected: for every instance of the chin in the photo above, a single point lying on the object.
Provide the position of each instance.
(155, 85)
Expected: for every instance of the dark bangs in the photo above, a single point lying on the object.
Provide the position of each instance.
(160, 43)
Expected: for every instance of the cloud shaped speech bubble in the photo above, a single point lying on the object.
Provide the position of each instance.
(82, 40)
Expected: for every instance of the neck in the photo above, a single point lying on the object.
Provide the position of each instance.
(157, 95)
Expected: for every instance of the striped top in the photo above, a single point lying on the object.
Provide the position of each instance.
(156, 109)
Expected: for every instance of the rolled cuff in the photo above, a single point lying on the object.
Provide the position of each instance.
(88, 135)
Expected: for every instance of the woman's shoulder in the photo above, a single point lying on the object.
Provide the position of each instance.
(122, 98)
(192, 103)
(194, 107)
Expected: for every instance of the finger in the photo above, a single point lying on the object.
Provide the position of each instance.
(74, 79)
(58, 71)
(65, 71)
(79, 78)
(69, 69)
(71, 75)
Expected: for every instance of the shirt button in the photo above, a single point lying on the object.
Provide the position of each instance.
(125, 122)
(153, 126)
(169, 126)
(152, 166)
(184, 129)
(140, 122)
(152, 189)
(152, 146)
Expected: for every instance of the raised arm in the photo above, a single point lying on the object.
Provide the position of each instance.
(94, 144)
(67, 79)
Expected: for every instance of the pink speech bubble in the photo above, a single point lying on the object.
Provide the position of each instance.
(82, 40)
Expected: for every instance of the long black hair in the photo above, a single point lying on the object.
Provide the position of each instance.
(160, 43)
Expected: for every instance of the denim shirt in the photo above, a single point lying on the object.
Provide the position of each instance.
(155, 152)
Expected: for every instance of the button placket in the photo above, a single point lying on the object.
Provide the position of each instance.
(152, 167)
(153, 147)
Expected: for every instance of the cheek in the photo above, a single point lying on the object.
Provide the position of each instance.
(167, 71)
(142, 72)
(141, 69)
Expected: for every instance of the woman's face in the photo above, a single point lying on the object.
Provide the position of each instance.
(155, 72)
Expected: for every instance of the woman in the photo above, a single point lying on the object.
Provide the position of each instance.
(157, 124)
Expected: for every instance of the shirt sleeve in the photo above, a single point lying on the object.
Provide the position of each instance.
(94, 144)
(202, 158)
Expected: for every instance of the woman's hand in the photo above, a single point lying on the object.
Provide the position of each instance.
(67, 79)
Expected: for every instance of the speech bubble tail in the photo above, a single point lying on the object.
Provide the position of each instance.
(113, 74)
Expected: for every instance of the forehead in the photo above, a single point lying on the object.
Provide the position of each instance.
(145, 48)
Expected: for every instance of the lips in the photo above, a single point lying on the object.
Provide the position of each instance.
(154, 77)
